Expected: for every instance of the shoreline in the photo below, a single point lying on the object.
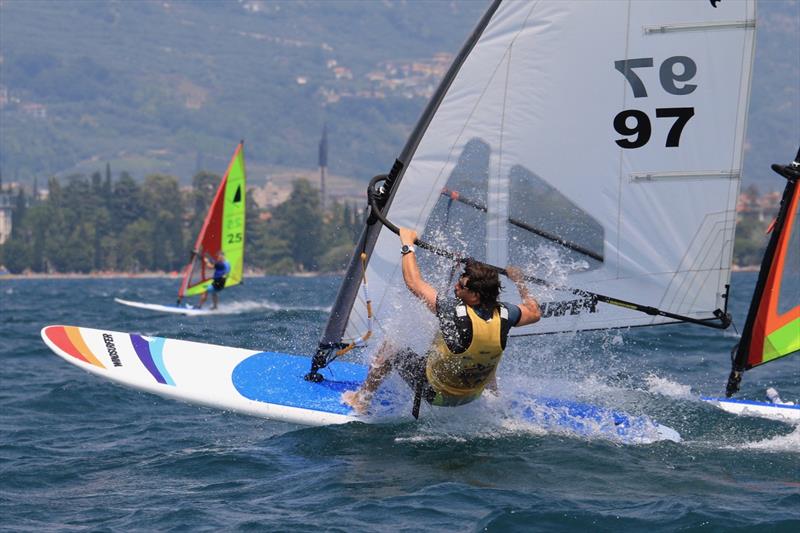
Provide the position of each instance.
(177, 275)
(145, 275)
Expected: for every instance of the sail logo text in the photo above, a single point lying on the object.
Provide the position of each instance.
(569, 307)
(112, 349)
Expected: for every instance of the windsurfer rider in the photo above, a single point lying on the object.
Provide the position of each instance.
(467, 349)
(221, 270)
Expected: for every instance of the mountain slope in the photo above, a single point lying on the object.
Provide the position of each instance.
(172, 86)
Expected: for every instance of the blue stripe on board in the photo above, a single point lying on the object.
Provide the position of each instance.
(142, 349)
(157, 351)
(748, 402)
(277, 378)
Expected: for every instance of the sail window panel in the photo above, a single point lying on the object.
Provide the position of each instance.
(457, 223)
(540, 215)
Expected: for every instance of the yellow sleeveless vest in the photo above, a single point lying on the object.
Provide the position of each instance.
(460, 378)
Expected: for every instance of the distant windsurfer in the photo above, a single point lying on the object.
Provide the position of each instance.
(473, 328)
(221, 270)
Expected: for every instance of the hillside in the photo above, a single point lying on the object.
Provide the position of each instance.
(170, 87)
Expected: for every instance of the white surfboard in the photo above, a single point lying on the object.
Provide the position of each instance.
(776, 411)
(173, 309)
(272, 384)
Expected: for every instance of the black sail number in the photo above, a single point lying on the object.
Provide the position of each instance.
(634, 124)
(668, 76)
(682, 116)
(626, 66)
(641, 128)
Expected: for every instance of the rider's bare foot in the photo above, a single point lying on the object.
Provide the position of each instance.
(356, 399)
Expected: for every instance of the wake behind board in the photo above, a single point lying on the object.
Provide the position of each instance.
(271, 384)
(775, 411)
(172, 309)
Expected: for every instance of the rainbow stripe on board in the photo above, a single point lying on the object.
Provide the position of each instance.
(69, 340)
(150, 352)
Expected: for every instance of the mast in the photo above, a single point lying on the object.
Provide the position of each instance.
(748, 348)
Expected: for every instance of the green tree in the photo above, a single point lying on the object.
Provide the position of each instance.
(125, 203)
(204, 188)
(16, 255)
(750, 242)
(299, 222)
(163, 207)
(77, 254)
(18, 213)
(134, 251)
(336, 259)
(39, 223)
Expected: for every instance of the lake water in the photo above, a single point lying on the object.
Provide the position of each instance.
(79, 453)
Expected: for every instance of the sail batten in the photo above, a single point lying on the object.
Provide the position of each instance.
(700, 174)
(722, 25)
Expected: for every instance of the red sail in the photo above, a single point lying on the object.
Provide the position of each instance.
(772, 329)
(223, 229)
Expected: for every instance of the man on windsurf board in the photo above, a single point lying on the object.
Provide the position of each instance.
(473, 328)
(221, 270)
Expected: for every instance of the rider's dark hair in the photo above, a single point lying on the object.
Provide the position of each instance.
(484, 281)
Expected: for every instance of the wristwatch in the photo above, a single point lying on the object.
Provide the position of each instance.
(407, 249)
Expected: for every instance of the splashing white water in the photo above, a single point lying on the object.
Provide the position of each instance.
(780, 443)
(667, 387)
(516, 412)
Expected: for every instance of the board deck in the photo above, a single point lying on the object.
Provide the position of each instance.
(775, 411)
(172, 309)
(271, 384)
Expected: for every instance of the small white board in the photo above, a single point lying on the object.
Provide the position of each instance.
(172, 309)
(775, 411)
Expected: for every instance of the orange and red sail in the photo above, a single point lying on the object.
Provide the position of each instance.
(772, 329)
(223, 230)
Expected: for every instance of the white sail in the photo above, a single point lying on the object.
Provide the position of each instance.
(614, 127)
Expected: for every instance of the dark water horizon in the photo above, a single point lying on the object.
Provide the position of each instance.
(80, 453)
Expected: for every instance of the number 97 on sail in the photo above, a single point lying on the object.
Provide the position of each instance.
(636, 123)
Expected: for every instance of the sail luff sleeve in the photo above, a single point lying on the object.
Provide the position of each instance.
(346, 297)
(232, 235)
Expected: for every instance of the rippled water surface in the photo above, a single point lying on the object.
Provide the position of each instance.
(79, 453)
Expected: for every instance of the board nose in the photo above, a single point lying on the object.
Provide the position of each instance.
(68, 340)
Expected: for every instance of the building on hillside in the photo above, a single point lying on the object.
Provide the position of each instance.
(38, 111)
(270, 195)
(754, 207)
(6, 208)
